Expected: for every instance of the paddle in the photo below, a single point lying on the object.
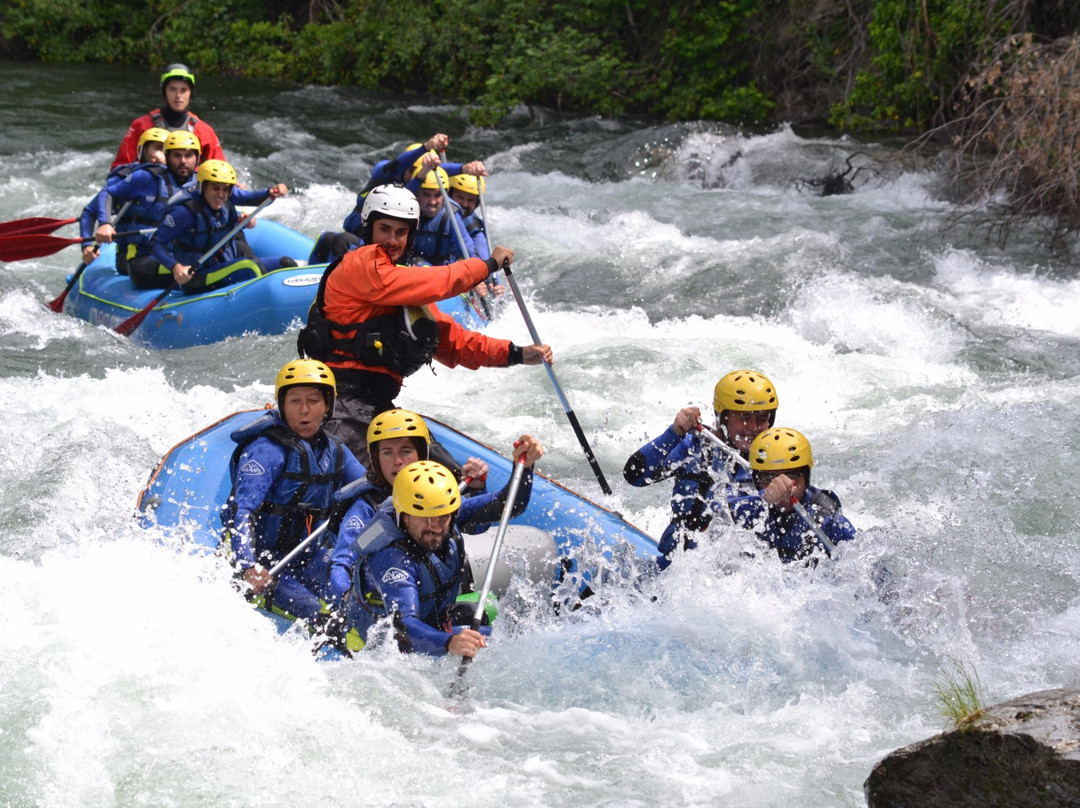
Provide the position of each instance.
(460, 238)
(22, 246)
(298, 549)
(555, 382)
(35, 224)
(830, 547)
(457, 687)
(57, 305)
(134, 321)
(483, 216)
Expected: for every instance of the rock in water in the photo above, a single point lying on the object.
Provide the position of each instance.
(1020, 753)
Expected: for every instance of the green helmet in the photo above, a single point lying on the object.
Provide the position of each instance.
(177, 71)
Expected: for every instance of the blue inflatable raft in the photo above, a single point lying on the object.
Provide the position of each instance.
(273, 304)
(185, 492)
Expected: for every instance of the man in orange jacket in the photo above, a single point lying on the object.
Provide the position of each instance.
(374, 321)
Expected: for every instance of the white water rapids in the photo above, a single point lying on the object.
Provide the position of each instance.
(935, 376)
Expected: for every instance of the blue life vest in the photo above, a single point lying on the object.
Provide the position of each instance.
(436, 241)
(300, 497)
(146, 211)
(210, 227)
(440, 578)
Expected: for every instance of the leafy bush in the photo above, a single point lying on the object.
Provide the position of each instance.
(920, 48)
(1017, 130)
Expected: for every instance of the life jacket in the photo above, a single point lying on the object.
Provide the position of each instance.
(119, 173)
(143, 212)
(299, 498)
(210, 227)
(404, 341)
(343, 499)
(190, 120)
(440, 579)
(436, 241)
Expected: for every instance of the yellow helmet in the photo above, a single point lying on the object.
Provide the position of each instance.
(425, 488)
(182, 139)
(416, 163)
(154, 134)
(396, 424)
(745, 391)
(433, 184)
(780, 449)
(468, 183)
(216, 171)
(306, 371)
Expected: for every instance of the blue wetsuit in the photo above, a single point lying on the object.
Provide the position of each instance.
(369, 496)
(390, 171)
(395, 578)
(100, 210)
(149, 188)
(787, 533)
(191, 227)
(706, 481)
(474, 226)
(281, 490)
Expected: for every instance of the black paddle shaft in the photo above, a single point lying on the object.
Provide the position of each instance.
(555, 383)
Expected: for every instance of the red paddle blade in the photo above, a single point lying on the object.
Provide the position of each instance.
(127, 328)
(23, 246)
(35, 224)
(57, 305)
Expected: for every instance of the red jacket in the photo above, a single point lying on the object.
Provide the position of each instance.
(368, 284)
(129, 146)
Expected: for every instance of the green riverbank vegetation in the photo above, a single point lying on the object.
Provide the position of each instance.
(953, 71)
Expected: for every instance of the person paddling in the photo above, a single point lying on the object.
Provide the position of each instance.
(284, 470)
(395, 439)
(96, 225)
(374, 321)
(441, 224)
(398, 170)
(706, 479)
(177, 90)
(149, 189)
(195, 221)
(465, 190)
(786, 512)
(412, 558)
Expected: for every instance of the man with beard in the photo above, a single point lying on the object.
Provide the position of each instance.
(412, 557)
(149, 189)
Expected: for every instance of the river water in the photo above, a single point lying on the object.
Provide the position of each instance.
(935, 376)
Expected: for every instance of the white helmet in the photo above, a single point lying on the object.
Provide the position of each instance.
(393, 201)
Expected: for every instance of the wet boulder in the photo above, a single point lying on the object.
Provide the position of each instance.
(1023, 752)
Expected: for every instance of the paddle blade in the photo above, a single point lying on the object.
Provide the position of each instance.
(35, 224)
(23, 246)
(127, 328)
(58, 304)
